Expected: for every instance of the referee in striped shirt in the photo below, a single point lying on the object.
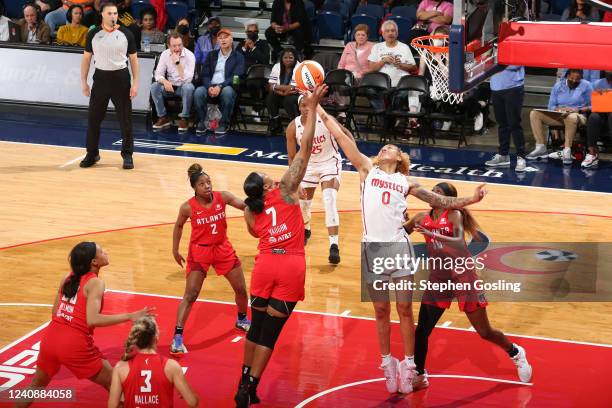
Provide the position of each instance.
(111, 46)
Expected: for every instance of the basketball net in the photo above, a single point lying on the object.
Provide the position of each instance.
(433, 49)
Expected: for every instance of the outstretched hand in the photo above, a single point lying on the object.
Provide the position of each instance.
(479, 193)
(311, 99)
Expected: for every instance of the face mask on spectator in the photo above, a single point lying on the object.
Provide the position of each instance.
(214, 30)
(609, 75)
(253, 36)
(573, 84)
(182, 30)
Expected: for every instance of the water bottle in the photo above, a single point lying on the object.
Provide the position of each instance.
(147, 45)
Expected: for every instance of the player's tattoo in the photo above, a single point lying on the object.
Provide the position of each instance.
(437, 200)
(292, 178)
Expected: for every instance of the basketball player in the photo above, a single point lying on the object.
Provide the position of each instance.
(208, 246)
(277, 282)
(145, 378)
(444, 231)
(323, 168)
(384, 189)
(68, 340)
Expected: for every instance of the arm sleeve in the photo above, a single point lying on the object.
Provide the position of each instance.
(552, 101)
(132, 48)
(90, 36)
(189, 67)
(205, 76)
(587, 94)
(374, 54)
(274, 74)
(160, 70)
(408, 55)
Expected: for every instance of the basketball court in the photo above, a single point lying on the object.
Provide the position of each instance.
(328, 355)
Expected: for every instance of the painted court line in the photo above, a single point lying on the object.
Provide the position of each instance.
(26, 304)
(284, 166)
(353, 384)
(69, 162)
(22, 338)
(361, 318)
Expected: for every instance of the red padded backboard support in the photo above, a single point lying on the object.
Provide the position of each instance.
(556, 45)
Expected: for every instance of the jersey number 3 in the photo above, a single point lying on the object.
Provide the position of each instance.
(272, 211)
(147, 380)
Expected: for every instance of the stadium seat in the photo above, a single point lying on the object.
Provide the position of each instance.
(373, 10)
(370, 21)
(253, 90)
(138, 6)
(337, 6)
(340, 82)
(176, 10)
(373, 85)
(404, 26)
(14, 8)
(400, 107)
(328, 60)
(404, 11)
(558, 6)
(331, 25)
(550, 17)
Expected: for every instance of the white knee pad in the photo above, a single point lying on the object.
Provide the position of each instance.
(305, 206)
(332, 219)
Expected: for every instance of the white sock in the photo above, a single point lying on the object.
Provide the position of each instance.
(333, 239)
(386, 359)
(567, 149)
(538, 145)
(409, 360)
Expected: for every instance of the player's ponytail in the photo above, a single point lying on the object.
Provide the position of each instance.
(80, 262)
(470, 225)
(194, 172)
(254, 189)
(143, 335)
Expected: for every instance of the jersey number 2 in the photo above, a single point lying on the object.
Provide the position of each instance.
(386, 197)
(214, 228)
(272, 211)
(147, 380)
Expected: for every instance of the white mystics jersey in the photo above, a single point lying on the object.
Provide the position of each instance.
(383, 203)
(324, 145)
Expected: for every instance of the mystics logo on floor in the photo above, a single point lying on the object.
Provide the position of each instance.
(280, 158)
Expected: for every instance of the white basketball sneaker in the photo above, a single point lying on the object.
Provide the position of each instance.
(523, 367)
(390, 370)
(420, 382)
(407, 372)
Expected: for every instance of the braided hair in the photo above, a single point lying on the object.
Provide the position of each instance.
(143, 335)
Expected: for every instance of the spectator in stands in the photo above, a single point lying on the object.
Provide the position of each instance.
(597, 123)
(281, 92)
(33, 29)
(580, 11)
(57, 17)
(570, 100)
(123, 13)
(288, 23)
(430, 15)
(507, 92)
(355, 55)
(47, 6)
(184, 29)
(392, 57)
(149, 31)
(254, 50)
(217, 74)
(207, 42)
(74, 33)
(173, 77)
(4, 24)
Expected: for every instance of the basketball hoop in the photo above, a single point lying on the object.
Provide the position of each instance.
(434, 50)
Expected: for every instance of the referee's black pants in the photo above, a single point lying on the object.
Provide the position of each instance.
(114, 86)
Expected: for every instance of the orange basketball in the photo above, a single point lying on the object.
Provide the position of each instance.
(308, 74)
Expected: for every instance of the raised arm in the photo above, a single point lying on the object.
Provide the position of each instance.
(291, 141)
(412, 222)
(94, 289)
(231, 199)
(177, 233)
(437, 200)
(290, 182)
(347, 143)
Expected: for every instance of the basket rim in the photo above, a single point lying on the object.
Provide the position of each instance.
(418, 43)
